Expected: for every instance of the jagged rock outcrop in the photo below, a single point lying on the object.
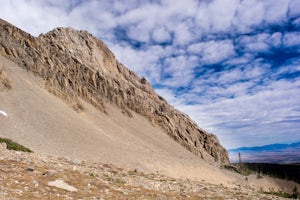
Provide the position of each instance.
(75, 65)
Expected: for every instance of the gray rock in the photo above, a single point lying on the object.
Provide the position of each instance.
(61, 184)
(50, 172)
(30, 168)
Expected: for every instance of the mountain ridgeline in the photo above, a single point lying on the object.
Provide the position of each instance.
(273, 153)
(76, 66)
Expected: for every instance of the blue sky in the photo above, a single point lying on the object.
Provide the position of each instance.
(232, 65)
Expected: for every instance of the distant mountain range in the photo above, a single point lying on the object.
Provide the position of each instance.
(273, 153)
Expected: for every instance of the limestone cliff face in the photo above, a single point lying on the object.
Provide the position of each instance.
(75, 65)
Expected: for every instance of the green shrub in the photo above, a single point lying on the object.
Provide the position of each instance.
(11, 145)
(283, 194)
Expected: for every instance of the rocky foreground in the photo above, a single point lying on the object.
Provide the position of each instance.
(30, 176)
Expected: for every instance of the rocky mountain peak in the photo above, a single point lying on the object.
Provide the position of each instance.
(83, 48)
(77, 66)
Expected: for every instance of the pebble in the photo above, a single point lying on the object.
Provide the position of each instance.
(50, 172)
(30, 168)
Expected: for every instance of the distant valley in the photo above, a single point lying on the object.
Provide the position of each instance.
(273, 153)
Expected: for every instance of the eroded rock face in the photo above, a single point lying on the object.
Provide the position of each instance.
(75, 65)
(5, 82)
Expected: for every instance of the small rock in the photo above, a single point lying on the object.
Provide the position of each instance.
(61, 184)
(76, 161)
(36, 184)
(184, 194)
(50, 172)
(30, 168)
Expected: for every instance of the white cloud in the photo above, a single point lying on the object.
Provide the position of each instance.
(247, 18)
(240, 60)
(144, 61)
(161, 34)
(262, 110)
(213, 52)
(291, 39)
(238, 74)
(30, 15)
(292, 67)
(182, 34)
(275, 39)
(276, 12)
(256, 43)
(170, 96)
(294, 7)
(221, 14)
(296, 22)
(179, 70)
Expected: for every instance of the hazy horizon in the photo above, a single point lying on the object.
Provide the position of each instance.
(272, 153)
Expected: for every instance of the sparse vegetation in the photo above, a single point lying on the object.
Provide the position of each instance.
(119, 181)
(11, 145)
(231, 168)
(282, 171)
(241, 169)
(245, 170)
(293, 195)
(107, 178)
(258, 176)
